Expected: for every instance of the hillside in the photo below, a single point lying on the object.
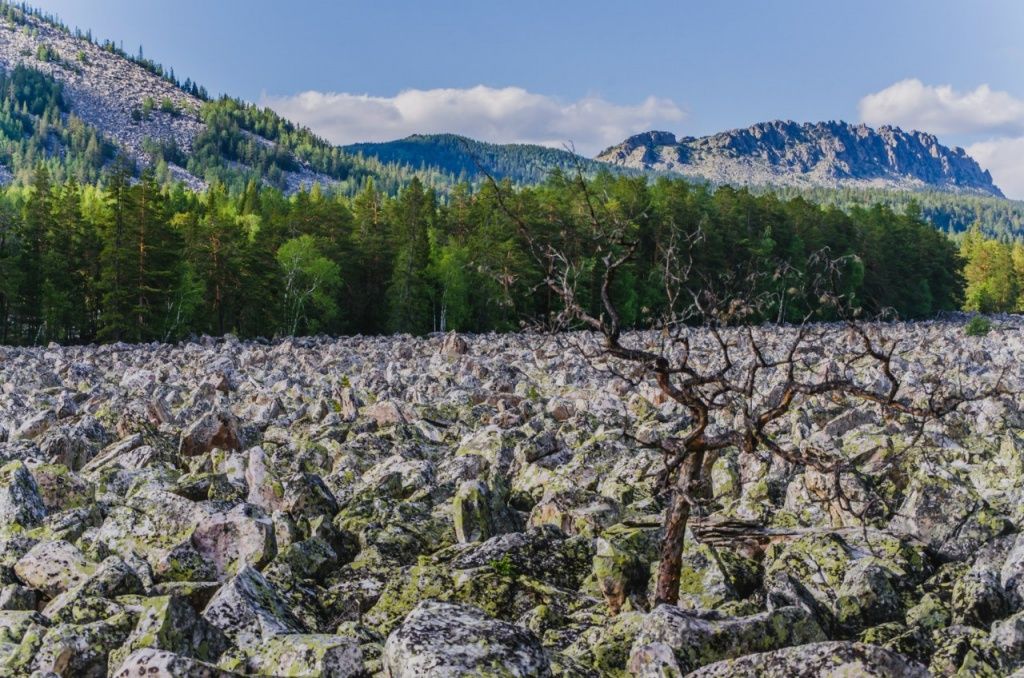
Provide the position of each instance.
(824, 154)
(145, 114)
(461, 158)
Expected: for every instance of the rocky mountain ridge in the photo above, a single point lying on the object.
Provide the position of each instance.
(830, 154)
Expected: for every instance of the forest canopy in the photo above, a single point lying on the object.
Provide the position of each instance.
(131, 260)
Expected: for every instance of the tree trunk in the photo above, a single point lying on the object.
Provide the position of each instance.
(687, 487)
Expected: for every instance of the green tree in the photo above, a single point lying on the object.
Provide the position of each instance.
(310, 283)
(408, 291)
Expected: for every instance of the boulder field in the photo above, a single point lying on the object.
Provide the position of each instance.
(490, 506)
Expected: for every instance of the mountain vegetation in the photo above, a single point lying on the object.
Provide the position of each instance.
(458, 159)
(133, 261)
(178, 214)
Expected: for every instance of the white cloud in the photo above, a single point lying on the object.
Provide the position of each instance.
(940, 109)
(501, 115)
(1004, 158)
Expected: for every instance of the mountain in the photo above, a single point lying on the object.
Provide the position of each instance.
(462, 158)
(134, 108)
(828, 154)
(77, 104)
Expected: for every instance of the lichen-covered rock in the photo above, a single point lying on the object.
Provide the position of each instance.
(619, 569)
(978, 599)
(948, 516)
(153, 663)
(605, 649)
(62, 489)
(229, 540)
(817, 660)
(213, 429)
(309, 655)
(81, 650)
(15, 623)
(437, 640)
(965, 651)
(471, 512)
(249, 610)
(696, 639)
(1008, 636)
(374, 473)
(710, 577)
(853, 585)
(52, 567)
(20, 502)
(867, 596)
(170, 623)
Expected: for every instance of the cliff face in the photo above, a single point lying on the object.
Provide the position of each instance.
(830, 154)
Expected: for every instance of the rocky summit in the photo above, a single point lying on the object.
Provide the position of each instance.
(828, 154)
(490, 506)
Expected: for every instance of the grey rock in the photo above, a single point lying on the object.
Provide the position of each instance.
(438, 640)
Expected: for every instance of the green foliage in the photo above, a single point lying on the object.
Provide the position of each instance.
(135, 260)
(951, 213)
(34, 128)
(993, 273)
(47, 53)
(458, 159)
(978, 326)
(504, 566)
(310, 283)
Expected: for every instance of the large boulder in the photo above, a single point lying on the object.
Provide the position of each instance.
(52, 567)
(231, 539)
(689, 640)
(213, 429)
(948, 516)
(170, 623)
(817, 660)
(250, 611)
(328, 656)
(152, 663)
(20, 502)
(438, 640)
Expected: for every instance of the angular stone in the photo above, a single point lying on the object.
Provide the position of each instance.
(250, 611)
(20, 502)
(441, 639)
(471, 511)
(697, 639)
(213, 429)
(244, 535)
(816, 660)
(308, 655)
(170, 623)
(152, 663)
(52, 567)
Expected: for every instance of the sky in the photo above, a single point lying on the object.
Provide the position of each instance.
(593, 72)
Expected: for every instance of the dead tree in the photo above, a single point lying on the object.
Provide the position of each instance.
(734, 382)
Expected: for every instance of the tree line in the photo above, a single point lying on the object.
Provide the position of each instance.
(128, 259)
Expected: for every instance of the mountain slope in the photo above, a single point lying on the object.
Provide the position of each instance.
(828, 154)
(459, 156)
(148, 117)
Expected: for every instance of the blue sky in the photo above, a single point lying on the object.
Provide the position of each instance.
(594, 72)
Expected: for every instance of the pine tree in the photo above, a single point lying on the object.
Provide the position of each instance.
(408, 291)
(116, 259)
(36, 223)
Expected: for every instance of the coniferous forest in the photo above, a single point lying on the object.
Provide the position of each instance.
(129, 260)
